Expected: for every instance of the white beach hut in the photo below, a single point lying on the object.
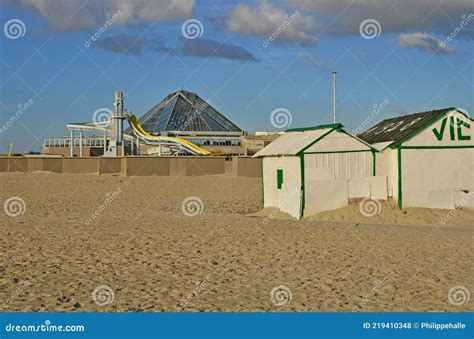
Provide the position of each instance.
(307, 170)
(428, 158)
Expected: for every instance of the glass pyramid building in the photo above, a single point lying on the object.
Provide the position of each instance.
(185, 111)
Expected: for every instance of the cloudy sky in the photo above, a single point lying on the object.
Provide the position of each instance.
(247, 58)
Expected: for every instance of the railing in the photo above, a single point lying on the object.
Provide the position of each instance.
(99, 142)
(66, 142)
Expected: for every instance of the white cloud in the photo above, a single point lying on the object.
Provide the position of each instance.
(266, 20)
(73, 15)
(344, 17)
(424, 42)
(394, 16)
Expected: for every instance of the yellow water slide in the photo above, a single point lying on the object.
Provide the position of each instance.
(147, 137)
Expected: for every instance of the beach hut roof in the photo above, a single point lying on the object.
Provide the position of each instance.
(296, 140)
(395, 131)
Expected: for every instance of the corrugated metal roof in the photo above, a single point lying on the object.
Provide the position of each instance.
(396, 129)
(293, 142)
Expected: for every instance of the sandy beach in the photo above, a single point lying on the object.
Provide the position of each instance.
(114, 243)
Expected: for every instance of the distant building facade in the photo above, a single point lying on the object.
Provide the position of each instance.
(185, 115)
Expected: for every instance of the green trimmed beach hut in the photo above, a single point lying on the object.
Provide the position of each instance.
(306, 170)
(428, 158)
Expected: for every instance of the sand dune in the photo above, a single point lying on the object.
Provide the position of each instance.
(128, 239)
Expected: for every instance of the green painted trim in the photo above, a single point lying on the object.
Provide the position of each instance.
(315, 141)
(400, 198)
(279, 178)
(314, 128)
(424, 127)
(436, 147)
(360, 140)
(462, 137)
(374, 167)
(302, 189)
(335, 152)
(439, 134)
(465, 115)
(452, 134)
(429, 123)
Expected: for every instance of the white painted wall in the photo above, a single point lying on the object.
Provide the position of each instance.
(327, 175)
(386, 165)
(325, 195)
(338, 141)
(425, 171)
(359, 188)
(428, 136)
(464, 199)
(435, 178)
(368, 187)
(432, 178)
(288, 198)
(339, 165)
(378, 187)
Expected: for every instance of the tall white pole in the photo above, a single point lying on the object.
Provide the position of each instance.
(81, 139)
(105, 142)
(118, 127)
(334, 95)
(71, 144)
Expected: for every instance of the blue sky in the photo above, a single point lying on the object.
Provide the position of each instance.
(405, 64)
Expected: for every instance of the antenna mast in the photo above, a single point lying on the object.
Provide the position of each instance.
(334, 95)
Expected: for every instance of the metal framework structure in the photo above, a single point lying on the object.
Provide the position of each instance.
(185, 111)
(100, 127)
(168, 127)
